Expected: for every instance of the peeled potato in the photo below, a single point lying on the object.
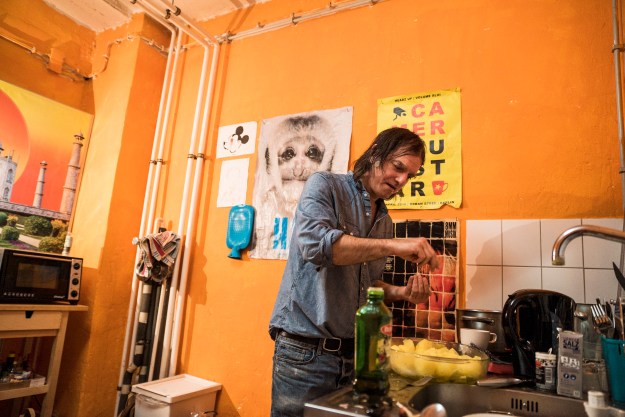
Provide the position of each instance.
(425, 367)
(424, 345)
(403, 365)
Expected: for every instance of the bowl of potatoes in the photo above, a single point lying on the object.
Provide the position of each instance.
(441, 361)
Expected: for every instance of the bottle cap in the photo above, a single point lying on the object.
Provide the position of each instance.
(375, 291)
(546, 356)
(596, 399)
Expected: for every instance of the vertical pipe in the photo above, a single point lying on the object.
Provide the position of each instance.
(135, 287)
(191, 225)
(617, 50)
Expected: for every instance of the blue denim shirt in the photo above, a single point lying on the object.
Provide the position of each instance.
(317, 298)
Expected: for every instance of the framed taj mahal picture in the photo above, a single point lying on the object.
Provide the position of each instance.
(43, 145)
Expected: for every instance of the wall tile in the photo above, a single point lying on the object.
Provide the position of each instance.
(484, 287)
(525, 256)
(483, 242)
(521, 242)
(520, 277)
(600, 283)
(549, 231)
(568, 281)
(600, 253)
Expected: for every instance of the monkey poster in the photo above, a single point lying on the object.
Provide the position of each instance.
(290, 149)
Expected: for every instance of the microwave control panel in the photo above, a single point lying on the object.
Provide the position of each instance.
(73, 291)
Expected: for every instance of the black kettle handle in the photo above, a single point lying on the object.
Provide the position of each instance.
(510, 316)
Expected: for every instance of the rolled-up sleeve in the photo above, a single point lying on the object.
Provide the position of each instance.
(316, 222)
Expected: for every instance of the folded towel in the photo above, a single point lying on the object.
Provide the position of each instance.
(158, 254)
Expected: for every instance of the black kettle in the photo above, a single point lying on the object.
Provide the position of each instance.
(531, 322)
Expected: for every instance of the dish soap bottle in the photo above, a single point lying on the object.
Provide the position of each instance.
(372, 339)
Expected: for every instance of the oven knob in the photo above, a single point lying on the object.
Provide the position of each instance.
(76, 266)
(75, 281)
(74, 294)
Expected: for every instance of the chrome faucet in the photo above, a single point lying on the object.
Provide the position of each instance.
(557, 256)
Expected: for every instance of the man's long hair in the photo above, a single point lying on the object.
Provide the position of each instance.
(395, 141)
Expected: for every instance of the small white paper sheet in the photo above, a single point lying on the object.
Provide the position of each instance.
(233, 182)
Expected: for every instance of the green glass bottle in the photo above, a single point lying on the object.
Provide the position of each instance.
(373, 338)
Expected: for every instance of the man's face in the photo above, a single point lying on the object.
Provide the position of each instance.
(388, 178)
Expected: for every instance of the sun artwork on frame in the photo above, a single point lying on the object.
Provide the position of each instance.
(43, 145)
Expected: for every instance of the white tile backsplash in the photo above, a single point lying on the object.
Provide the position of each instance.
(600, 253)
(520, 277)
(484, 242)
(506, 255)
(484, 287)
(568, 281)
(549, 232)
(515, 235)
(599, 283)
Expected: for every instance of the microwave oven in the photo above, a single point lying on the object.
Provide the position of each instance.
(38, 277)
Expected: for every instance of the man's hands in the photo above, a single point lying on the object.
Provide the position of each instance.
(416, 250)
(417, 290)
(349, 250)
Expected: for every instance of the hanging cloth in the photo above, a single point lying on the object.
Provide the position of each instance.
(158, 253)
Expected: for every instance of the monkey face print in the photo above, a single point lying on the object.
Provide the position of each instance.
(290, 149)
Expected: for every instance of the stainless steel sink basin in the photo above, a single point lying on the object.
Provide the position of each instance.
(460, 400)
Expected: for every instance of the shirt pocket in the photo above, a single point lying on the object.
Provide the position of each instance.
(347, 225)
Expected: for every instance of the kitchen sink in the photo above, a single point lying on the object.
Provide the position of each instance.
(460, 400)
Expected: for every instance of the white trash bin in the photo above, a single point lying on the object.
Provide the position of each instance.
(176, 396)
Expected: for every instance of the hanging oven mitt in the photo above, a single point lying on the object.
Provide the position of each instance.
(240, 224)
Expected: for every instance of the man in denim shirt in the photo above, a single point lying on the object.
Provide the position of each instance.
(341, 237)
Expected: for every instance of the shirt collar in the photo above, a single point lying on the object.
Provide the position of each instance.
(365, 194)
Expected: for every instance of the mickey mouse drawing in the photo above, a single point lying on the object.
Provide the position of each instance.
(234, 142)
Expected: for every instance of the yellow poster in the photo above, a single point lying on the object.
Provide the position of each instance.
(435, 117)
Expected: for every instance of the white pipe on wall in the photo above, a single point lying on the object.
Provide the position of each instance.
(175, 302)
(154, 10)
(331, 9)
(136, 286)
(155, 193)
(617, 50)
(192, 221)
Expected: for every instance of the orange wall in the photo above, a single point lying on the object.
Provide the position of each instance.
(539, 140)
(539, 134)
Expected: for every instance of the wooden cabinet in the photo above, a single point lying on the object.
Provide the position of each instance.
(35, 320)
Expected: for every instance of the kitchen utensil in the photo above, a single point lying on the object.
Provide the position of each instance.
(500, 382)
(620, 318)
(434, 410)
(483, 320)
(240, 224)
(585, 325)
(532, 321)
(619, 275)
(404, 411)
(602, 321)
(479, 338)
